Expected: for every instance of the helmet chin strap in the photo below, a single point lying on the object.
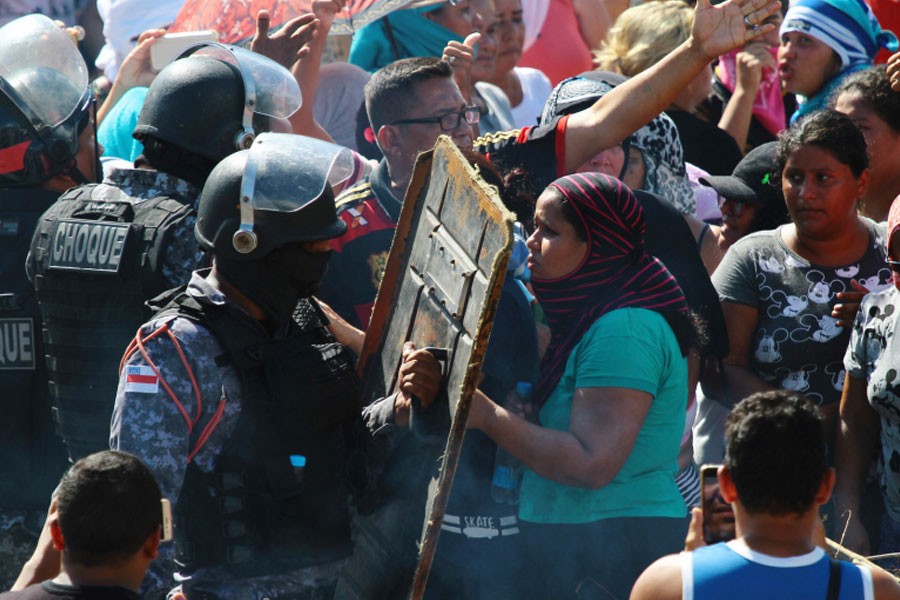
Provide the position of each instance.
(75, 174)
(72, 171)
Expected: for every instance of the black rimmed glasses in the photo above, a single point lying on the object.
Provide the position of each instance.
(448, 121)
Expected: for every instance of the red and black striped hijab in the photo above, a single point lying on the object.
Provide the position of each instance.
(617, 272)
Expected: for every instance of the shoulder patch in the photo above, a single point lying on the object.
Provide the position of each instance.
(355, 194)
(357, 220)
(141, 379)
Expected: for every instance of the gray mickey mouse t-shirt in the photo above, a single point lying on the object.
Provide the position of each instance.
(874, 356)
(798, 345)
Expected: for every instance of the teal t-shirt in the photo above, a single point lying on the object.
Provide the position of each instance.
(632, 348)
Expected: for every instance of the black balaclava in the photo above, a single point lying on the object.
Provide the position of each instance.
(279, 280)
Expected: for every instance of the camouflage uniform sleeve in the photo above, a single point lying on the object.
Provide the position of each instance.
(147, 422)
(182, 255)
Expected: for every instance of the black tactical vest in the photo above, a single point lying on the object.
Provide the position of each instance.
(282, 480)
(31, 457)
(95, 263)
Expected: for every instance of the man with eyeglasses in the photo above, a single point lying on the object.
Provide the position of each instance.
(413, 101)
(410, 103)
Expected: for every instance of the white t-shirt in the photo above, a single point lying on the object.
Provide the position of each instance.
(536, 89)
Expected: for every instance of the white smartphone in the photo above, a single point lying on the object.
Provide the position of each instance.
(168, 533)
(167, 48)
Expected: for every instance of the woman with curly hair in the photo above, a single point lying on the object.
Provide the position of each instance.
(867, 98)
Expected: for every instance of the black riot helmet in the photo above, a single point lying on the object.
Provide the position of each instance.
(277, 193)
(45, 102)
(212, 101)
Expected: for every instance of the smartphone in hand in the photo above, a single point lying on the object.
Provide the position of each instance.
(168, 533)
(718, 518)
(170, 46)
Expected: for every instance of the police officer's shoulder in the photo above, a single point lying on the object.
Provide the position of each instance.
(354, 196)
(189, 333)
(492, 139)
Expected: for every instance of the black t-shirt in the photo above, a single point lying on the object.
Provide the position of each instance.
(50, 590)
(536, 151)
(705, 145)
(669, 239)
(712, 108)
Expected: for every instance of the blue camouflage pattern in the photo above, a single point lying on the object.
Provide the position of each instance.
(149, 424)
(183, 254)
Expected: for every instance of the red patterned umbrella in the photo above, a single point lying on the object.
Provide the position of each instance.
(235, 20)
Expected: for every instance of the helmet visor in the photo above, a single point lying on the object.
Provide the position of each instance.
(276, 91)
(42, 71)
(286, 172)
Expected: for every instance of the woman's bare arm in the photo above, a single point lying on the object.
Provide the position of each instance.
(605, 423)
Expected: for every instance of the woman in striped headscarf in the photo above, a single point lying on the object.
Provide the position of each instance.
(599, 501)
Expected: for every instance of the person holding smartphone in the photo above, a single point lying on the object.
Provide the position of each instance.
(106, 523)
(718, 517)
(776, 503)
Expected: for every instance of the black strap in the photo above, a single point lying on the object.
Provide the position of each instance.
(834, 580)
(389, 34)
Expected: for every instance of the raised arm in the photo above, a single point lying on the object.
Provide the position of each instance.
(45, 560)
(630, 106)
(738, 112)
(287, 45)
(135, 71)
(306, 71)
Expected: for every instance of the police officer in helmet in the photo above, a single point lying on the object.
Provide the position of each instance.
(47, 144)
(240, 400)
(104, 249)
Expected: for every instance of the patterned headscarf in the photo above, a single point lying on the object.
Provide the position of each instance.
(663, 154)
(848, 27)
(658, 141)
(616, 273)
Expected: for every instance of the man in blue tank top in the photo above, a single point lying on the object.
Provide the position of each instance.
(775, 476)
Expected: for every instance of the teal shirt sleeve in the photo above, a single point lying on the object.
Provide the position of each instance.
(622, 351)
(626, 348)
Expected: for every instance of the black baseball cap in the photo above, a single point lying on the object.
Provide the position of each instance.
(753, 180)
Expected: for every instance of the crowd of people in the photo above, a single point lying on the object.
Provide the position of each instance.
(705, 272)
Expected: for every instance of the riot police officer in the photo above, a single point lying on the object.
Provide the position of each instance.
(47, 144)
(241, 401)
(104, 249)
